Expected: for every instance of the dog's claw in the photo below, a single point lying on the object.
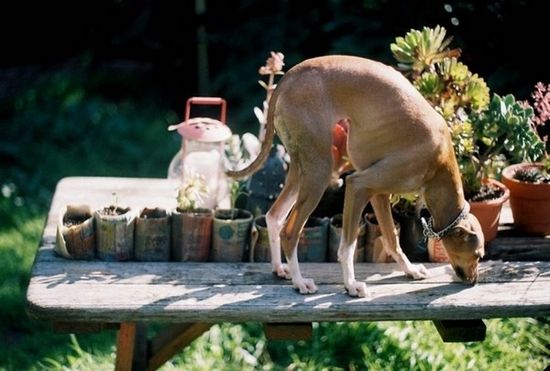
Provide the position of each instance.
(282, 271)
(357, 289)
(306, 286)
(418, 272)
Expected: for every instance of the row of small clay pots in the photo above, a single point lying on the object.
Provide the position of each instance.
(153, 235)
(156, 235)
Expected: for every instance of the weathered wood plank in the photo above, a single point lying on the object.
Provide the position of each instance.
(218, 303)
(178, 292)
(53, 270)
(519, 248)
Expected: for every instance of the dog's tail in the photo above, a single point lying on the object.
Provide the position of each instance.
(266, 143)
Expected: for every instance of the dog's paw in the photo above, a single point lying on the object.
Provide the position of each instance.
(357, 289)
(305, 286)
(282, 271)
(418, 272)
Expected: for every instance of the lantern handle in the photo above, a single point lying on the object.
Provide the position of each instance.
(206, 101)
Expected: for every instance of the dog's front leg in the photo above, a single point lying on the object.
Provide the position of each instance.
(382, 209)
(355, 200)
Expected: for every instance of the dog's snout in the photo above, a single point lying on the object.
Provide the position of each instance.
(460, 273)
(470, 277)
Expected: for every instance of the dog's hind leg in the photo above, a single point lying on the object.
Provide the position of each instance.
(314, 179)
(276, 216)
(382, 209)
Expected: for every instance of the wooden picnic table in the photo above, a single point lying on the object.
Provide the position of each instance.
(94, 295)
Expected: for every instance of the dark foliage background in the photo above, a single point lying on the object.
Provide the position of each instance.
(155, 41)
(142, 55)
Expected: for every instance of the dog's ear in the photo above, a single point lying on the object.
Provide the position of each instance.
(463, 233)
(469, 236)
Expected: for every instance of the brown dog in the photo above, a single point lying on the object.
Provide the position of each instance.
(397, 143)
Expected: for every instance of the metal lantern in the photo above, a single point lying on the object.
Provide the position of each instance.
(202, 152)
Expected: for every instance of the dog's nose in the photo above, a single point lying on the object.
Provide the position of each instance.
(469, 278)
(460, 273)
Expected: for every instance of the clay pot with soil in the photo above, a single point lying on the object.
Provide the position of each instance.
(191, 234)
(115, 233)
(152, 235)
(486, 205)
(529, 185)
(76, 237)
(231, 235)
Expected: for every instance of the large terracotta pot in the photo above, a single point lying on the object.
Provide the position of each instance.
(488, 212)
(530, 202)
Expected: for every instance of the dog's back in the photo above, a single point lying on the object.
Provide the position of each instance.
(386, 111)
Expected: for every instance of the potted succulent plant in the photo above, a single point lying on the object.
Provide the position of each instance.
(529, 182)
(503, 134)
(486, 131)
(191, 224)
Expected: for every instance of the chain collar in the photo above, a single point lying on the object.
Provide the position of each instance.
(428, 229)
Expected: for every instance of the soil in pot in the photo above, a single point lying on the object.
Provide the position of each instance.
(529, 201)
(152, 235)
(76, 233)
(191, 234)
(486, 205)
(115, 233)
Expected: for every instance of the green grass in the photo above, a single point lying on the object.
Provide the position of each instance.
(59, 128)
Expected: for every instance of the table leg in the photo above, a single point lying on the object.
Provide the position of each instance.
(125, 346)
(170, 341)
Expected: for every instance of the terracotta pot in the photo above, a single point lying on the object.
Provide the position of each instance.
(436, 251)
(76, 233)
(530, 203)
(488, 212)
(191, 235)
(152, 235)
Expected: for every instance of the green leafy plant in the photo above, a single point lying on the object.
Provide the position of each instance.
(487, 132)
(503, 133)
(237, 189)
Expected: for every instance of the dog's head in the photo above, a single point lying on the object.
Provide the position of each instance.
(465, 246)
